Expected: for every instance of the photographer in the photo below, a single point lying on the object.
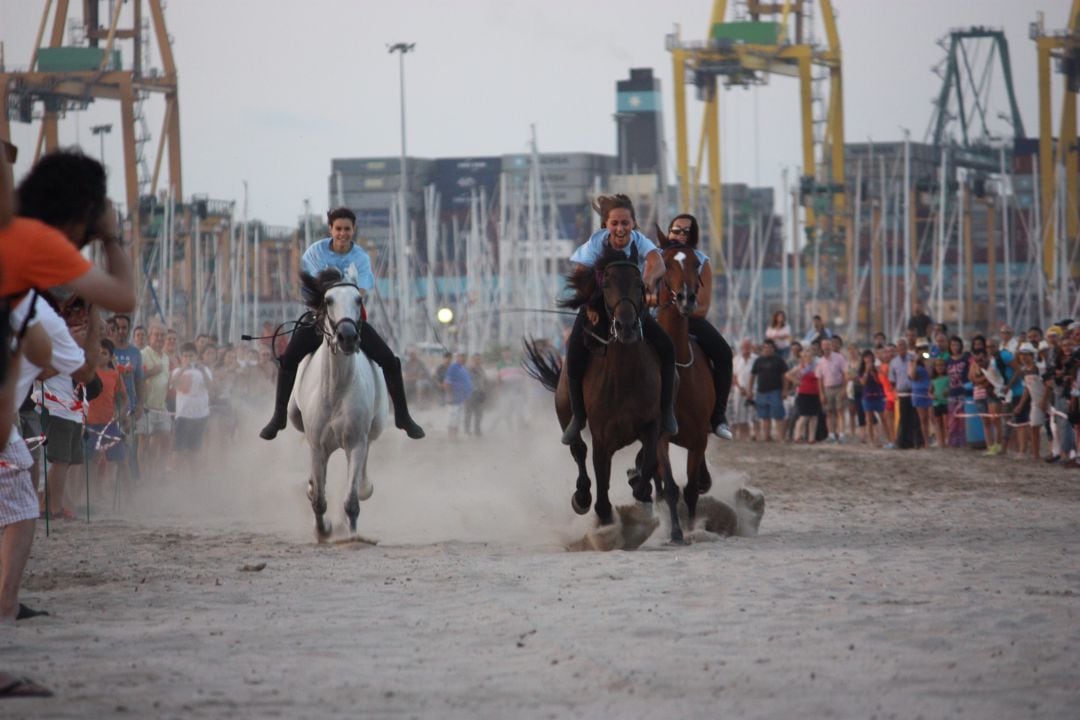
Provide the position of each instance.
(62, 208)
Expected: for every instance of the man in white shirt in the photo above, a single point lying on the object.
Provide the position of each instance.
(741, 413)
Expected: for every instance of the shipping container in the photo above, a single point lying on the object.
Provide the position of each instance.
(456, 178)
(519, 164)
(414, 167)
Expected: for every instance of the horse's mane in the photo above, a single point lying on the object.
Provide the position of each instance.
(313, 288)
(584, 281)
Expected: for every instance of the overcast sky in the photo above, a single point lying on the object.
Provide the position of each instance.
(270, 91)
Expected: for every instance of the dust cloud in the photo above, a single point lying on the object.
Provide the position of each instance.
(510, 485)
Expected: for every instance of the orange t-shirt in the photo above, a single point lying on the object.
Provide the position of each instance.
(886, 384)
(36, 255)
(101, 409)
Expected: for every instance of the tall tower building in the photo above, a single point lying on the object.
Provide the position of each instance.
(640, 124)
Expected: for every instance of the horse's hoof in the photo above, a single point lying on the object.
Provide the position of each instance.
(581, 505)
(323, 528)
(677, 539)
(704, 483)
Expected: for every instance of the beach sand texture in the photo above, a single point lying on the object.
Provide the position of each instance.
(882, 584)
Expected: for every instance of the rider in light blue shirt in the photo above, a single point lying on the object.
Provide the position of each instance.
(355, 265)
(617, 216)
(338, 251)
(589, 253)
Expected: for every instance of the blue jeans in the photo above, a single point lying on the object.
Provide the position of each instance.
(769, 405)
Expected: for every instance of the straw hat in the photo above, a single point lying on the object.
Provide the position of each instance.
(922, 342)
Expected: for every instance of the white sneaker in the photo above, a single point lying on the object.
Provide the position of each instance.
(723, 431)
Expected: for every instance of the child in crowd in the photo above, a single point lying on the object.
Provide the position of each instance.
(885, 356)
(807, 396)
(192, 381)
(921, 398)
(873, 394)
(106, 417)
(939, 389)
(1032, 403)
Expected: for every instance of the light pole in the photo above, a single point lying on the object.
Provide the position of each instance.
(101, 131)
(403, 226)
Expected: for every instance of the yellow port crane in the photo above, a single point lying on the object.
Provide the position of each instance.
(1063, 46)
(742, 52)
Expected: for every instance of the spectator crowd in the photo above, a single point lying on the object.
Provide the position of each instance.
(1009, 394)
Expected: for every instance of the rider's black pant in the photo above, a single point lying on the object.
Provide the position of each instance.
(306, 340)
(719, 352)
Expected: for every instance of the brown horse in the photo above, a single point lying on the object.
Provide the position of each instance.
(621, 386)
(694, 403)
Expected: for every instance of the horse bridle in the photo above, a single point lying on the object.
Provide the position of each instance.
(677, 296)
(321, 315)
(638, 306)
(674, 295)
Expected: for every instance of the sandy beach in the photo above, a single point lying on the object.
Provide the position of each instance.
(883, 584)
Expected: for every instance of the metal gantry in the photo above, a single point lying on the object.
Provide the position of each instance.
(745, 51)
(1063, 46)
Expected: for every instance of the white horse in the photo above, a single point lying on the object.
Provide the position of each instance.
(339, 400)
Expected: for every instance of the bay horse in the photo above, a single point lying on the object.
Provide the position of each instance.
(621, 386)
(694, 403)
(339, 400)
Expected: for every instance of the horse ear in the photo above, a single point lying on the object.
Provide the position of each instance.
(661, 238)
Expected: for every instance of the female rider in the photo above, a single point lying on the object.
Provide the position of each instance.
(684, 230)
(617, 217)
(338, 251)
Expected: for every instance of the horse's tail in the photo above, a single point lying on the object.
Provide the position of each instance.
(543, 365)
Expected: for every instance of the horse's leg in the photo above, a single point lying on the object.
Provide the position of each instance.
(638, 477)
(704, 478)
(695, 461)
(317, 493)
(602, 471)
(671, 489)
(359, 487)
(582, 498)
(647, 464)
